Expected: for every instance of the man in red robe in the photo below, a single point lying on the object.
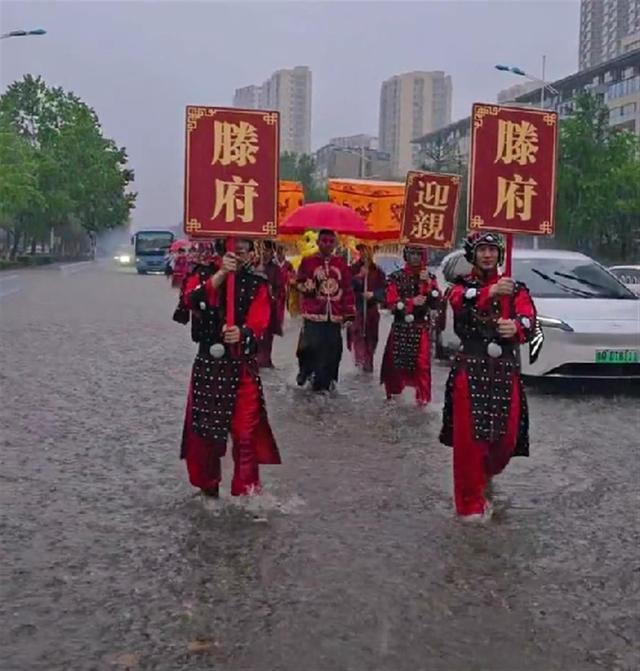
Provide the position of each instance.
(277, 288)
(485, 416)
(412, 292)
(324, 281)
(369, 284)
(225, 394)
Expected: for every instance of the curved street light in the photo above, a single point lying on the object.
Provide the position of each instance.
(520, 72)
(23, 33)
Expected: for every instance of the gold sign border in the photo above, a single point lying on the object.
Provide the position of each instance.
(479, 111)
(191, 225)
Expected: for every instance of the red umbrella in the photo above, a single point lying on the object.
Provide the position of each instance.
(179, 244)
(342, 220)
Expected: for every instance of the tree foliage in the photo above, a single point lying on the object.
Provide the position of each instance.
(598, 206)
(58, 170)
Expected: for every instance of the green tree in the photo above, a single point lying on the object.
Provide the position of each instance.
(82, 176)
(20, 195)
(598, 190)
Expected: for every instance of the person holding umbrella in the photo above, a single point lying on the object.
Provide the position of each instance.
(324, 282)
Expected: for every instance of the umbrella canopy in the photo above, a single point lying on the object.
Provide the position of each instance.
(342, 220)
(179, 244)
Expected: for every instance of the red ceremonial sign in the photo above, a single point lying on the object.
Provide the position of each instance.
(231, 172)
(512, 169)
(430, 209)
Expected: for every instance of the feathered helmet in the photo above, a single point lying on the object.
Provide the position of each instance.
(477, 238)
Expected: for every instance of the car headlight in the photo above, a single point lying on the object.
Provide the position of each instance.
(125, 258)
(553, 323)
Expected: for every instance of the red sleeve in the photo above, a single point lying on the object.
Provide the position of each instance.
(303, 271)
(391, 295)
(456, 297)
(525, 315)
(191, 283)
(259, 312)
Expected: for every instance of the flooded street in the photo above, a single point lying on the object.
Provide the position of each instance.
(110, 560)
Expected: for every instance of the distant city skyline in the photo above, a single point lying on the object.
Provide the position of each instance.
(139, 64)
(289, 91)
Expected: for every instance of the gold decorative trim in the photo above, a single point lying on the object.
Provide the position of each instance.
(550, 119)
(481, 112)
(193, 226)
(270, 119)
(546, 227)
(476, 222)
(270, 228)
(194, 114)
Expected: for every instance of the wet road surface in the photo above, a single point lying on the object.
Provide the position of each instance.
(111, 561)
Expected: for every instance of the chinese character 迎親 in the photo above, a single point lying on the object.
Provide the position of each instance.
(428, 226)
(433, 195)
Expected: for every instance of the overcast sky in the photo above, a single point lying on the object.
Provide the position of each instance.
(138, 64)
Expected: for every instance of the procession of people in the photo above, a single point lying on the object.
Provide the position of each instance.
(485, 417)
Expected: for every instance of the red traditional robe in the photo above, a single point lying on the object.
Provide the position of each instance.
(407, 356)
(485, 416)
(362, 336)
(289, 275)
(277, 289)
(253, 441)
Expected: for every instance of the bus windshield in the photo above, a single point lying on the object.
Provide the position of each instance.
(153, 242)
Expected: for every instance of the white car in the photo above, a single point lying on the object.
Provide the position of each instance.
(629, 276)
(589, 321)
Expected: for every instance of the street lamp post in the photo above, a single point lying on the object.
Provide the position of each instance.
(543, 85)
(23, 33)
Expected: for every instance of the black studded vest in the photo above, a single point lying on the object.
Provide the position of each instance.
(407, 335)
(490, 379)
(215, 381)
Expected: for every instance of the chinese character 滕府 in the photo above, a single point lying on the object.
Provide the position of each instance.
(515, 197)
(517, 142)
(236, 197)
(234, 143)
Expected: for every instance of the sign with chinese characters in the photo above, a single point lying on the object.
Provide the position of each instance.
(430, 209)
(512, 169)
(231, 172)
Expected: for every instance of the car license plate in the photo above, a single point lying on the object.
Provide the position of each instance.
(618, 356)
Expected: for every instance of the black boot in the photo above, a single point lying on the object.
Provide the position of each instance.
(212, 492)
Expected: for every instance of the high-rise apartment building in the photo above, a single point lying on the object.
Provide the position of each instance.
(604, 28)
(411, 105)
(289, 92)
(249, 97)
